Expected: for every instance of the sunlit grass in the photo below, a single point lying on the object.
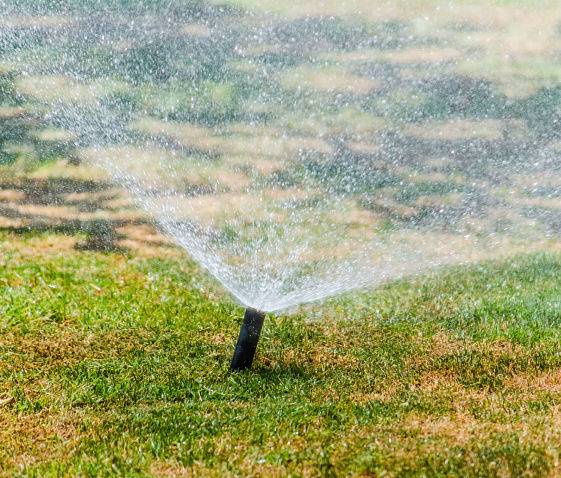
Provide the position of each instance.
(114, 364)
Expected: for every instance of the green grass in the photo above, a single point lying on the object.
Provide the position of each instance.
(116, 365)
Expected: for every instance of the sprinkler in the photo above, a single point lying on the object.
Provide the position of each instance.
(247, 341)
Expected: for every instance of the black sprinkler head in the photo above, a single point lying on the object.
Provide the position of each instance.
(247, 341)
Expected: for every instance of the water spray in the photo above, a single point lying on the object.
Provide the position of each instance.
(410, 162)
(248, 339)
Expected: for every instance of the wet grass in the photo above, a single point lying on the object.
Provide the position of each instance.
(112, 364)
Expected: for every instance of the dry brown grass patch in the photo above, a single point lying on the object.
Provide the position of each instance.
(11, 195)
(43, 436)
(146, 241)
(67, 346)
(458, 130)
(532, 384)
(39, 246)
(385, 393)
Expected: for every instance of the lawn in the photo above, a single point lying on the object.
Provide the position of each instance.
(115, 363)
(433, 127)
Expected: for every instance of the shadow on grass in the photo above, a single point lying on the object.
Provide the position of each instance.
(66, 206)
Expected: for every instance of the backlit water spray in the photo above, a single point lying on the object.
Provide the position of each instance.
(303, 150)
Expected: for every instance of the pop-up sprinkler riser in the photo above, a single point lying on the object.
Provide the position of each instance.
(248, 339)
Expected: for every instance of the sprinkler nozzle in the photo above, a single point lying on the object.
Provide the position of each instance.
(247, 340)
